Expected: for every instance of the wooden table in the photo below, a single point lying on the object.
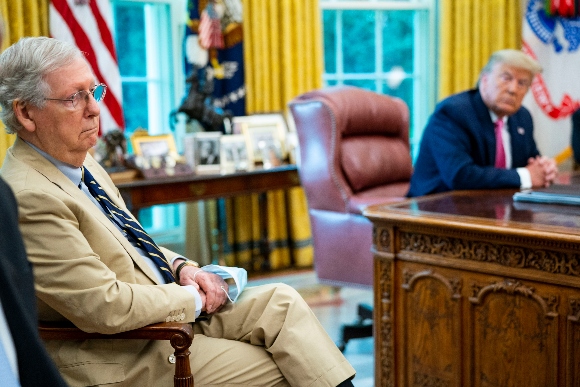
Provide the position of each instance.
(473, 289)
(141, 193)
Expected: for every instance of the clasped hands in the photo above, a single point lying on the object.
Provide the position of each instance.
(543, 171)
(211, 287)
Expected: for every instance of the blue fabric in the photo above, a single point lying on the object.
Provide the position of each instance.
(132, 229)
(458, 148)
(229, 92)
(6, 375)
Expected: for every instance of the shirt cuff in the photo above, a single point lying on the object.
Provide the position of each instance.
(177, 257)
(195, 293)
(525, 178)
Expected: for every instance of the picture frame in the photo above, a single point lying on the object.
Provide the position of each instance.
(202, 151)
(154, 146)
(234, 152)
(262, 124)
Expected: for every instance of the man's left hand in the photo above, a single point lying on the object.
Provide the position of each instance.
(213, 286)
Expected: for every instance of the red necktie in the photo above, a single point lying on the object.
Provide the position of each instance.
(499, 151)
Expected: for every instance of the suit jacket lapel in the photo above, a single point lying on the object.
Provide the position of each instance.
(36, 161)
(488, 132)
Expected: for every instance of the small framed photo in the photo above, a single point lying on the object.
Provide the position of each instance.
(274, 123)
(234, 152)
(202, 151)
(154, 146)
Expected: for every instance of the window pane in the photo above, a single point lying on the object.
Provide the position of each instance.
(358, 41)
(130, 38)
(329, 23)
(136, 113)
(398, 39)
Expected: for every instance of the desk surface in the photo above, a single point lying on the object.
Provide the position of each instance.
(139, 193)
(486, 211)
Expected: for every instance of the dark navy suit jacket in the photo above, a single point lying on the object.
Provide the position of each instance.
(36, 368)
(458, 148)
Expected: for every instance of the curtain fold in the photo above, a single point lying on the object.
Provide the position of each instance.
(22, 18)
(470, 31)
(282, 59)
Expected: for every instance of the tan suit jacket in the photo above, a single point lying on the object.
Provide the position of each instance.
(87, 272)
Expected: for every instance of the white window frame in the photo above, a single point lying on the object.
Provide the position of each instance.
(165, 42)
(424, 86)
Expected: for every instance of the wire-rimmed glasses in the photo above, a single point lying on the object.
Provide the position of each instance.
(80, 99)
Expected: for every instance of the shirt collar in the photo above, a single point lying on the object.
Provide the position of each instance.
(494, 118)
(70, 171)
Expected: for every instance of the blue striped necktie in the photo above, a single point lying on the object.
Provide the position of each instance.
(132, 230)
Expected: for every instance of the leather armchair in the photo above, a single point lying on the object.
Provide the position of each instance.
(354, 152)
(180, 335)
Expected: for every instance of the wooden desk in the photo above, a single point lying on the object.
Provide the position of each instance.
(472, 289)
(140, 193)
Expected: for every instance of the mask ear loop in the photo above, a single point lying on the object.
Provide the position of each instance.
(227, 295)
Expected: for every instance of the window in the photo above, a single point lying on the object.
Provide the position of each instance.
(387, 46)
(148, 36)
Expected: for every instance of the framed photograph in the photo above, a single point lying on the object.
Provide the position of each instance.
(234, 152)
(272, 126)
(154, 146)
(202, 151)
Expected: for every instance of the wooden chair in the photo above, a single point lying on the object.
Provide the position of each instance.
(180, 336)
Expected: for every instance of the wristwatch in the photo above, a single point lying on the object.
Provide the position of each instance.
(187, 262)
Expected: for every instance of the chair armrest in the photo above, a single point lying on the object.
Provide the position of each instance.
(180, 335)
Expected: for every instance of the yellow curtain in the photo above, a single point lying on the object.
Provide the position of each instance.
(470, 31)
(22, 18)
(282, 59)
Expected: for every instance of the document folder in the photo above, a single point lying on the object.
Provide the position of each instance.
(555, 194)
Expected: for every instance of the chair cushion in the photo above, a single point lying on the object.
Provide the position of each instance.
(371, 161)
(390, 193)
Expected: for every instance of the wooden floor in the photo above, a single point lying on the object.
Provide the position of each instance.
(334, 307)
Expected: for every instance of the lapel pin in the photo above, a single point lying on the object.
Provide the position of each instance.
(521, 131)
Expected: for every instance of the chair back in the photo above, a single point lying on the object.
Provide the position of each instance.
(351, 140)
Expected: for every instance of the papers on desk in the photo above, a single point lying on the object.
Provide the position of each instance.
(555, 194)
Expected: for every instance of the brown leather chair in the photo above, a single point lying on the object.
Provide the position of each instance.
(180, 336)
(354, 152)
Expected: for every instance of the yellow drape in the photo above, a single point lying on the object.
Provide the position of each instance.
(22, 18)
(469, 32)
(282, 59)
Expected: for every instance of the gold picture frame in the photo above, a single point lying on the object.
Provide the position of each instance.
(152, 146)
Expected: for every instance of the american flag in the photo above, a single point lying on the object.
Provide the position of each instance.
(210, 29)
(88, 25)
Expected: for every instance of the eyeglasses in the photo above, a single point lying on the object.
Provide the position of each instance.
(80, 99)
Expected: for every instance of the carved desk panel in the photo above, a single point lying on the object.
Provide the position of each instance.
(472, 289)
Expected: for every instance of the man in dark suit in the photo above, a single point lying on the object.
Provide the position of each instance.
(35, 368)
(459, 148)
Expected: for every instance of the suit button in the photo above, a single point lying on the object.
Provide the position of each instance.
(171, 359)
(168, 319)
(182, 316)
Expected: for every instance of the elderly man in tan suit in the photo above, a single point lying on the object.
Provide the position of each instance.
(90, 269)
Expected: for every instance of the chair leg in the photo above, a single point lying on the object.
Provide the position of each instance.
(363, 327)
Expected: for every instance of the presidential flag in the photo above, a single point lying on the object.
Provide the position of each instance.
(553, 40)
(88, 25)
